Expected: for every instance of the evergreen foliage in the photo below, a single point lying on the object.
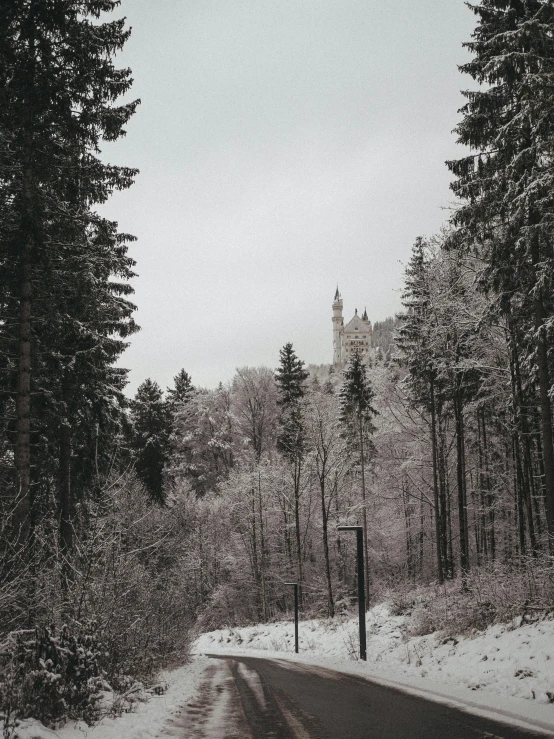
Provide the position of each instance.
(290, 377)
(150, 437)
(382, 335)
(357, 395)
(52, 676)
(181, 391)
(63, 268)
(506, 186)
(357, 411)
(413, 341)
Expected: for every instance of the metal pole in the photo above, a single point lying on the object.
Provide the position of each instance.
(295, 586)
(361, 592)
(296, 618)
(361, 585)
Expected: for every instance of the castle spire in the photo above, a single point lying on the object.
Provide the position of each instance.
(364, 317)
(337, 328)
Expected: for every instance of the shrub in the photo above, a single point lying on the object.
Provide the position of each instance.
(51, 676)
(126, 601)
(496, 593)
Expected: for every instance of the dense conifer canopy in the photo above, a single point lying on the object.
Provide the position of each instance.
(290, 376)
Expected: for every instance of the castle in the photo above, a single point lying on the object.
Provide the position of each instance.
(354, 338)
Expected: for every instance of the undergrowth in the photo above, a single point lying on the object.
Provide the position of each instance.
(496, 593)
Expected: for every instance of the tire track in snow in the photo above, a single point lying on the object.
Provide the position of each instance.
(234, 702)
(215, 713)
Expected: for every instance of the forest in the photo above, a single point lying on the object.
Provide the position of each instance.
(127, 525)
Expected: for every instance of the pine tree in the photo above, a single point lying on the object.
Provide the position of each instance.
(357, 412)
(290, 377)
(507, 186)
(150, 437)
(418, 354)
(182, 390)
(57, 91)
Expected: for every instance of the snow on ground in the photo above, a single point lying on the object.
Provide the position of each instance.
(144, 722)
(489, 672)
(515, 660)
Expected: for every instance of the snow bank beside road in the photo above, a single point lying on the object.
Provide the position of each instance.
(487, 672)
(514, 659)
(145, 722)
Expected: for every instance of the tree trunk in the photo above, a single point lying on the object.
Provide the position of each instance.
(521, 436)
(518, 488)
(410, 554)
(490, 494)
(546, 421)
(544, 389)
(300, 568)
(325, 521)
(66, 510)
(438, 528)
(444, 498)
(288, 542)
(262, 551)
(340, 556)
(460, 476)
(23, 508)
(481, 519)
(254, 545)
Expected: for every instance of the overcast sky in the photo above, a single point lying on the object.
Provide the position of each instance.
(284, 146)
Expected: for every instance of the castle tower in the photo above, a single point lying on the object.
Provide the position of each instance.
(369, 328)
(337, 328)
(352, 338)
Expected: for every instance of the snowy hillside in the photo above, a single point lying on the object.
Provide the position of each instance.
(515, 659)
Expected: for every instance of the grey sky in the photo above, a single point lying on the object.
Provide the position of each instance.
(284, 146)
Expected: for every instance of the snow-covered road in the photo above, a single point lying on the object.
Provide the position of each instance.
(216, 710)
(514, 660)
(251, 696)
(505, 673)
(245, 697)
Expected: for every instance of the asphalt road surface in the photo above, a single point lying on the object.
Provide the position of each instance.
(253, 698)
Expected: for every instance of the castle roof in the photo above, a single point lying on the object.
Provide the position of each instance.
(356, 324)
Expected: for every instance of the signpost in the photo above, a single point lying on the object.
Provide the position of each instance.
(361, 584)
(295, 585)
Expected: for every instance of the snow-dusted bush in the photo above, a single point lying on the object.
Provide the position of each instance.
(125, 597)
(496, 593)
(51, 675)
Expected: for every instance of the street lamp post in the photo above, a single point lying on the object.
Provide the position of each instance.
(295, 586)
(361, 584)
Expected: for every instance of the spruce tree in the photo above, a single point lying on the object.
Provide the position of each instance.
(150, 437)
(357, 412)
(181, 391)
(291, 377)
(507, 182)
(58, 85)
(426, 387)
